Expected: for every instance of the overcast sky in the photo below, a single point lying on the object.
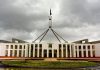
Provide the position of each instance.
(72, 19)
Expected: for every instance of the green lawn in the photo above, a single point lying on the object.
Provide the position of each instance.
(56, 64)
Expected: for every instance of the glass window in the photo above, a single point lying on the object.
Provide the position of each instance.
(79, 47)
(7, 46)
(20, 46)
(75, 47)
(88, 46)
(84, 47)
(11, 46)
(40, 45)
(50, 45)
(24, 46)
(36, 45)
(59, 46)
(64, 46)
(6, 53)
(93, 47)
(15, 46)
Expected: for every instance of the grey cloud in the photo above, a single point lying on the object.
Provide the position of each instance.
(77, 19)
(15, 18)
(81, 8)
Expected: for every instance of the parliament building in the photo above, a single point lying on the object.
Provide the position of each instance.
(21, 49)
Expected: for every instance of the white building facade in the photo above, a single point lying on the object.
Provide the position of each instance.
(49, 50)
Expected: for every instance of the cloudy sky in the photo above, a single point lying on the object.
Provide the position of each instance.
(72, 19)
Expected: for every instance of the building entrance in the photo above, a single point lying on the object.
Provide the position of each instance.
(55, 53)
(50, 53)
(45, 53)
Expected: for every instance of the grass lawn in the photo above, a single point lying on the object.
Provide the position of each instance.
(56, 64)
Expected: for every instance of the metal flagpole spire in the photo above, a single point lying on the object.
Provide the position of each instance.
(50, 19)
(50, 28)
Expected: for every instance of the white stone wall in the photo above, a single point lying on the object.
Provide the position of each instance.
(97, 50)
(45, 46)
(2, 49)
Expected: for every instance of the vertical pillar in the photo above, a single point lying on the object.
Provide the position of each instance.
(82, 50)
(33, 50)
(13, 50)
(77, 51)
(70, 51)
(29, 50)
(22, 50)
(91, 50)
(38, 50)
(66, 51)
(62, 50)
(52, 52)
(86, 50)
(17, 50)
(74, 53)
(26, 49)
(9, 51)
(42, 53)
(47, 53)
(58, 51)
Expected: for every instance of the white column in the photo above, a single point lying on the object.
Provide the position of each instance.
(77, 50)
(58, 51)
(91, 51)
(29, 50)
(42, 52)
(17, 50)
(66, 51)
(33, 50)
(26, 51)
(74, 53)
(86, 50)
(47, 52)
(13, 50)
(70, 51)
(9, 51)
(38, 50)
(22, 50)
(52, 52)
(62, 50)
(82, 50)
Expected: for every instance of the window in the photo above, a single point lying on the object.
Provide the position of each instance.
(24, 46)
(11, 46)
(88, 46)
(20, 46)
(50, 45)
(68, 50)
(59, 46)
(79, 47)
(40, 45)
(7, 46)
(89, 54)
(64, 46)
(93, 53)
(75, 47)
(15, 53)
(20, 53)
(36, 45)
(80, 55)
(11, 53)
(15, 46)
(93, 47)
(84, 47)
(6, 53)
